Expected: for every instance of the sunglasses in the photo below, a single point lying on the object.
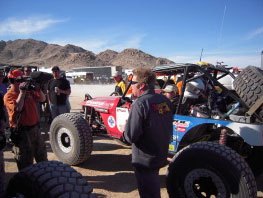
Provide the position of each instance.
(134, 82)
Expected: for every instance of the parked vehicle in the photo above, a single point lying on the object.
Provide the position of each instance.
(217, 139)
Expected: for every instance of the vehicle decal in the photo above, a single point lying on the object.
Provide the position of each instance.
(251, 133)
(181, 125)
(111, 122)
(122, 115)
(171, 147)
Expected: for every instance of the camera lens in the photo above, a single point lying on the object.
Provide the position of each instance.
(19, 80)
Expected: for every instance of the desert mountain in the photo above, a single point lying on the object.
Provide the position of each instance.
(39, 53)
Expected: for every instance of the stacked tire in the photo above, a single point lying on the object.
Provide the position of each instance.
(249, 86)
(49, 179)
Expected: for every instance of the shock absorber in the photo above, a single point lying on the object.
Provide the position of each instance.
(223, 137)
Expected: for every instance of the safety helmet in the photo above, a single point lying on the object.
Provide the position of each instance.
(204, 64)
(194, 88)
(15, 74)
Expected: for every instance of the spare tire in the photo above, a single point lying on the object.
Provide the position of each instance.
(71, 138)
(249, 86)
(48, 179)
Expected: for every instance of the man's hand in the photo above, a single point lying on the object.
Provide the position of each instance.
(23, 86)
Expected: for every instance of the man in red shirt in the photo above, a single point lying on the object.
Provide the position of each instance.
(21, 104)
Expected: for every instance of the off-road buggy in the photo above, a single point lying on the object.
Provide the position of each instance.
(217, 139)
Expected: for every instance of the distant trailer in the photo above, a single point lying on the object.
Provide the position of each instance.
(99, 71)
(81, 77)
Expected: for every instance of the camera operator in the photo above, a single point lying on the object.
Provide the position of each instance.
(27, 71)
(21, 104)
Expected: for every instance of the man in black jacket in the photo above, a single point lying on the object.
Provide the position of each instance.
(149, 129)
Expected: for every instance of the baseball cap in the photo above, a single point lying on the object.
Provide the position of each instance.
(15, 74)
(117, 73)
(170, 88)
(55, 68)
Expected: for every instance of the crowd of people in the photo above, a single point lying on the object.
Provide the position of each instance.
(150, 113)
(20, 107)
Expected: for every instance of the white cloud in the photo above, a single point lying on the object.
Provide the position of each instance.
(230, 60)
(97, 45)
(26, 26)
(255, 33)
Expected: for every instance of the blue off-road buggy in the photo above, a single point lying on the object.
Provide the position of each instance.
(218, 133)
(217, 140)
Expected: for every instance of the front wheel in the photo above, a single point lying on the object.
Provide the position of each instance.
(71, 138)
(207, 169)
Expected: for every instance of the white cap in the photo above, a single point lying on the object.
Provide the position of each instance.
(117, 73)
(170, 88)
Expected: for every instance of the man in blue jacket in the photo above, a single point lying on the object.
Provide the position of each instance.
(149, 130)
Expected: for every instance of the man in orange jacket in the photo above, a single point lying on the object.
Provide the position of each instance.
(21, 104)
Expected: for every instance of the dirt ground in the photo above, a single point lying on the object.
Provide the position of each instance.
(108, 170)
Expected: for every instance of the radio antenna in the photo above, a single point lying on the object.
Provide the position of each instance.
(201, 55)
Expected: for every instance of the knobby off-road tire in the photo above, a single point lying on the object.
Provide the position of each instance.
(71, 138)
(206, 169)
(49, 179)
(249, 86)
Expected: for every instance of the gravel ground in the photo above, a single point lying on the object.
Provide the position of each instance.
(108, 170)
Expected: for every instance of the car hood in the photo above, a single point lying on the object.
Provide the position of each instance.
(102, 102)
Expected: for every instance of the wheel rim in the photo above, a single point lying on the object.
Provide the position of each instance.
(65, 140)
(204, 183)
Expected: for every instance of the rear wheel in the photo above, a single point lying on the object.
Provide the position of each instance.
(207, 169)
(48, 179)
(71, 138)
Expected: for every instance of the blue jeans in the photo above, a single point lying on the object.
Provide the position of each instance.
(58, 109)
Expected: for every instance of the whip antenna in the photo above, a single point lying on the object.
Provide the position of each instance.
(201, 55)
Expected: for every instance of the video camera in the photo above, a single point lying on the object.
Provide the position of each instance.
(36, 80)
(31, 85)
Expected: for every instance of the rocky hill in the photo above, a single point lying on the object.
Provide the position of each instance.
(39, 53)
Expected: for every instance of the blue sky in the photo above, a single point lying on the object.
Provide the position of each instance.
(228, 30)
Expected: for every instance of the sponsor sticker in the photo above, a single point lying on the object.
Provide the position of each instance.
(111, 122)
(171, 147)
(181, 125)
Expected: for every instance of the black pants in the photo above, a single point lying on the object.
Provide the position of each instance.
(148, 182)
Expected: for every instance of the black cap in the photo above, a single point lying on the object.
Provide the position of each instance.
(55, 68)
